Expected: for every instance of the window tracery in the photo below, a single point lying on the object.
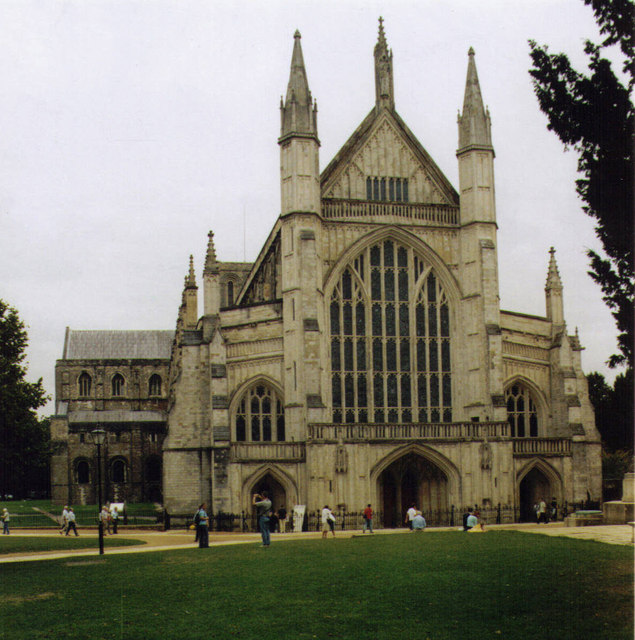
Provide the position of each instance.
(390, 340)
(522, 413)
(260, 416)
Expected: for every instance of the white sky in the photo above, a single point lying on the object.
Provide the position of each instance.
(131, 128)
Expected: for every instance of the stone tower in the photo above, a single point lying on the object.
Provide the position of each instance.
(478, 258)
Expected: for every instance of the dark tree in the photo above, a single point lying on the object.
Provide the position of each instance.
(23, 436)
(613, 410)
(592, 113)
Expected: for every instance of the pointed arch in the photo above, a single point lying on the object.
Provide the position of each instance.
(431, 455)
(537, 397)
(541, 465)
(391, 343)
(257, 411)
(536, 480)
(393, 232)
(279, 475)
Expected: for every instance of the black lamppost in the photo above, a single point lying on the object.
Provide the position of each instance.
(99, 438)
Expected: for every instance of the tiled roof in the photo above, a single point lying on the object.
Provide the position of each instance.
(109, 345)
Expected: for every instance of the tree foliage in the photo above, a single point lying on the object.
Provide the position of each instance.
(23, 436)
(613, 410)
(592, 113)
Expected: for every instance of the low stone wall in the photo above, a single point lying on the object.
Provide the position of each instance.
(584, 519)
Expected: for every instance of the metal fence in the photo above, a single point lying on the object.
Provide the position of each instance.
(248, 522)
(346, 520)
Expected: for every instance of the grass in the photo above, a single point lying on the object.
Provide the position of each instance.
(24, 513)
(18, 544)
(444, 585)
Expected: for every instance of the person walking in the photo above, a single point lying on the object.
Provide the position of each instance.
(64, 522)
(328, 522)
(5, 521)
(542, 511)
(263, 509)
(104, 519)
(114, 514)
(282, 519)
(554, 509)
(70, 518)
(203, 528)
(368, 519)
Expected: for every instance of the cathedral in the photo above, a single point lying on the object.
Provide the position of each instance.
(363, 357)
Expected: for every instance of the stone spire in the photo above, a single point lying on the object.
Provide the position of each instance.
(384, 86)
(474, 122)
(190, 279)
(298, 113)
(554, 283)
(211, 264)
(553, 292)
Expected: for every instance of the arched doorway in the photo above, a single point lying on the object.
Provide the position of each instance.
(413, 479)
(534, 487)
(277, 494)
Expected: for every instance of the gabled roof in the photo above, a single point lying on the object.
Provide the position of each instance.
(361, 135)
(118, 345)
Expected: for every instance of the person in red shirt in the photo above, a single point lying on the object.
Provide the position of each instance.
(368, 519)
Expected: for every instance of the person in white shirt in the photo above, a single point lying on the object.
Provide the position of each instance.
(104, 518)
(71, 521)
(64, 522)
(410, 515)
(472, 520)
(328, 522)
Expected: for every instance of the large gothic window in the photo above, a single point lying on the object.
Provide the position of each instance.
(521, 412)
(260, 415)
(390, 340)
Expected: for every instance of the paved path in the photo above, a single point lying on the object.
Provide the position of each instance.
(170, 540)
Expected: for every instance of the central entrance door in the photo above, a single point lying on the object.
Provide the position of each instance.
(412, 479)
(276, 491)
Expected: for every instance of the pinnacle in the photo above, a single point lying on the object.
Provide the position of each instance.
(190, 279)
(210, 257)
(553, 275)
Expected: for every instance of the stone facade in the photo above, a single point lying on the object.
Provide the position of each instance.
(117, 381)
(363, 356)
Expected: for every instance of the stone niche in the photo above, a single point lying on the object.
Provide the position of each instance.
(621, 511)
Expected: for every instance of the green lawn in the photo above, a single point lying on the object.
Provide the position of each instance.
(28, 513)
(19, 544)
(444, 585)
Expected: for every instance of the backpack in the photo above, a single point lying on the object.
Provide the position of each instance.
(197, 517)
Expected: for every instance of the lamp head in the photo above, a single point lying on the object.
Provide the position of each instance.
(98, 436)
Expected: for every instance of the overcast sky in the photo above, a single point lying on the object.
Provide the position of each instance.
(128, 129)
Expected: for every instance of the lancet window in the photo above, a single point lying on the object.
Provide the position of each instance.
(522, 414)
(118, 383)
(260, 415)
(387, 189)
(154, 385)
(390, 340)
(84, 383)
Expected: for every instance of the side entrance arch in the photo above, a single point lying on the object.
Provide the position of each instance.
(280, 487)
(413, 478)
(538, 480)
